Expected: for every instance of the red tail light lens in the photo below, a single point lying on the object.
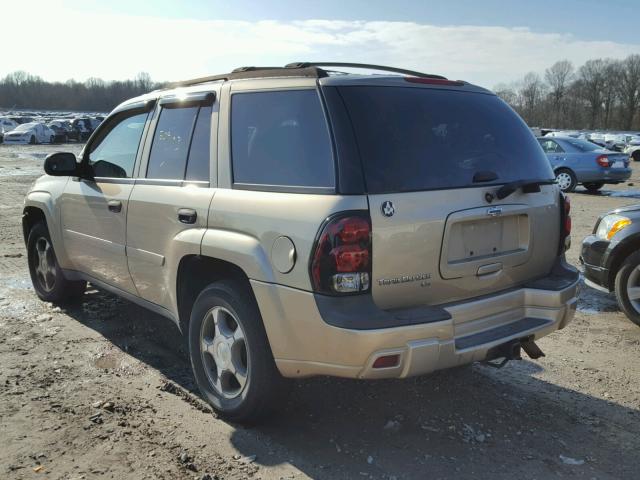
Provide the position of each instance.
(603, 161)
(341, 260)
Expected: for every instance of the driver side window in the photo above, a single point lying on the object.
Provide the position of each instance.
(113, 153)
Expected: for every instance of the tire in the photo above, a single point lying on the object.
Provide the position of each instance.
(216, 349)
(593, 187)
(566, 180)
(52, 139)
(628, 276)
(46, 275)
(32, 140)
(636, 156)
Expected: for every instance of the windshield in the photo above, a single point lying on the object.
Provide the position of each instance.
(24, 127)
(583, 145)
(414, 139)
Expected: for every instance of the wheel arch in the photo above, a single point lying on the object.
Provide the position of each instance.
(619, 254)
(195, 273)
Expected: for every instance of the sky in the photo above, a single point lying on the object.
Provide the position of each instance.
(485, 42)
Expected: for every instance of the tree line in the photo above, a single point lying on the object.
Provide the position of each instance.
(21, 90)
(601, 94)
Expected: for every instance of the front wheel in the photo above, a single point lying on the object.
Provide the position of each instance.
(636, 156)
(627, 287)
(230, 354)
(32, 140)
(593, 187)
(566, 180)
(46, 275)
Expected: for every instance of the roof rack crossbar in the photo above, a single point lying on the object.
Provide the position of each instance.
(365, 66)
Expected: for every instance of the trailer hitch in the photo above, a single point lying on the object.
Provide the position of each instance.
(498, 357)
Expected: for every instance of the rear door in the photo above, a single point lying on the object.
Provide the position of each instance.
(434, 159)
(170, 200)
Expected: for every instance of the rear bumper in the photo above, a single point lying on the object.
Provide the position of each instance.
(305, 344)
(613, 175)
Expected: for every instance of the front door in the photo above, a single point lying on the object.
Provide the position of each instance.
(94, 212)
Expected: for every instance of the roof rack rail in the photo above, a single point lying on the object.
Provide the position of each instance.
(302, 69)
(254, 72)
(368, 66)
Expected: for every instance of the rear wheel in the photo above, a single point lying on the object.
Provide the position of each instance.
(627, 287)
(52, 139)
(566, 180)
(46, 275)
(32, 140)
(230, 354)
(636, 156)
(593, 187)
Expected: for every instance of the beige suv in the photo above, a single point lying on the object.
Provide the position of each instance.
(299, 221)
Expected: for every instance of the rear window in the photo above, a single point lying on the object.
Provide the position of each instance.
(413, 139)
(280, 139)
(583, 145)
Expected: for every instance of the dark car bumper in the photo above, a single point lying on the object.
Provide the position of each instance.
(592, 258)
(610, 175)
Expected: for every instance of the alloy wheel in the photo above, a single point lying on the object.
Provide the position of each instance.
(633, 288)
(45, 265)
(564, 180)
(224, 352)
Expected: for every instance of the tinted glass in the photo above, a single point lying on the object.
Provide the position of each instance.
(281, 138)
(414, 139)
(198, 165)
(168, 157)
(583, 145)
(550, 146)
(113, 154)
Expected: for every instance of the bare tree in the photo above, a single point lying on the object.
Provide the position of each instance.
(609, 91)
(559, 77)
(591, 81)
(629, 89)
(531, 93)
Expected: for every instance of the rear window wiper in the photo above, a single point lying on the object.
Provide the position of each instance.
(528, 186)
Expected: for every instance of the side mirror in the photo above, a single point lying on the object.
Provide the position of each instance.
(61, 164)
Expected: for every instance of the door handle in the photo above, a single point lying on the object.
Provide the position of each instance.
(187, 215)
(115, 206)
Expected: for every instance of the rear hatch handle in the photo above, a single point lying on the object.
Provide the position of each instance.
(528, 186)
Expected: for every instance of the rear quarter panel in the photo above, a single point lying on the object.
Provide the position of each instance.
(243, 226)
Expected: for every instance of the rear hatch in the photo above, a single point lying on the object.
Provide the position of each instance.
(434, 159)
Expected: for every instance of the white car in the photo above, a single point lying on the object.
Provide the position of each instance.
(33, 132)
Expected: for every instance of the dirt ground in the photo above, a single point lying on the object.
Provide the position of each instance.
(104, 390)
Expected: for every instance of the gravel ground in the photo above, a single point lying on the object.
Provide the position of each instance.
(104, 390)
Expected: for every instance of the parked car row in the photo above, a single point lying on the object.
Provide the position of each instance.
(46, 128)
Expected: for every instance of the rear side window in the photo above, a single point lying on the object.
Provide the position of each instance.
(168, 157)
(550, 146)
(413, 139)
(281, 139)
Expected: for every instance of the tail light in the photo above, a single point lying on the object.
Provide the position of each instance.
(603, 161)
(565, 223)
(341, 260)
